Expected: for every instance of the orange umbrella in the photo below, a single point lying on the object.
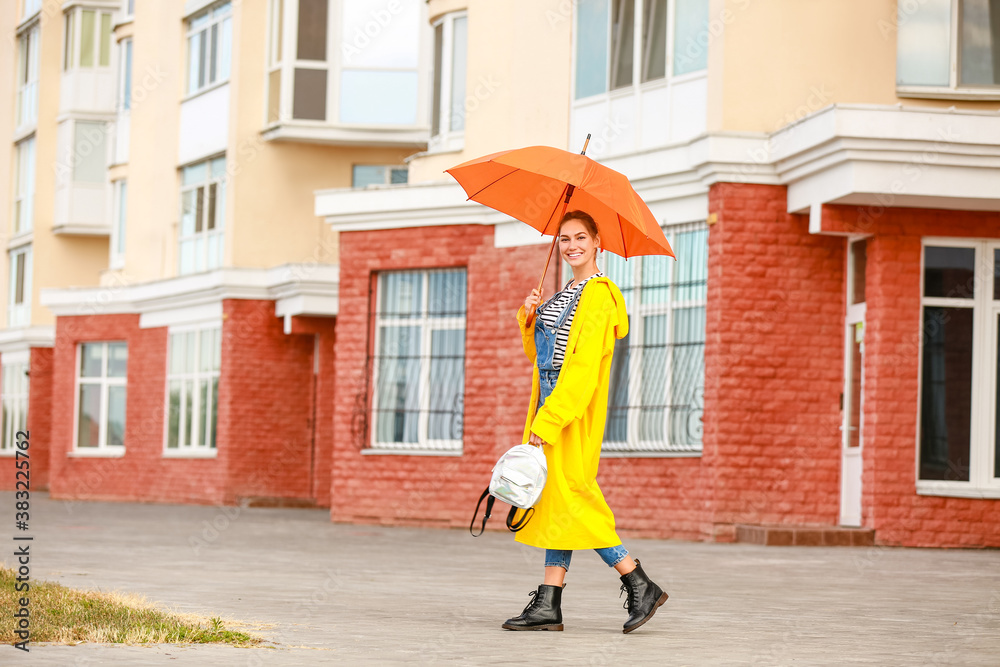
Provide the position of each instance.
(536, 185)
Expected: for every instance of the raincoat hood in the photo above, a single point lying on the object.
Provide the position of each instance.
(621, 316)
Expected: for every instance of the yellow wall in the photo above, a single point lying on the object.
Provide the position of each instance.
(775, 62)
(8, 21)
(518, 80)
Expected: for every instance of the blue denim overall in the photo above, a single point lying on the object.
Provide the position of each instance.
(545, 347)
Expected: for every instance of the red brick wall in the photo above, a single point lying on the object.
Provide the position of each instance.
(265, 404)
(324, 329)
(892, 365)
(773, 364)
(142, 473)
(650, 496)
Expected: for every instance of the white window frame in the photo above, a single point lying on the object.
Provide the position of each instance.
(125, 76)
(14, 367)
(632, 446)
(27, 77)
(19, 312)
(23, 213)
(203, 261)
(637, 55)
(218, 14)
(185, 447)
(29, 8)
(447, 139)
(387, 180)
(72, 38)
(954, 90)
(424, 444)
(981, 482)
(104, 382)
(116, 255)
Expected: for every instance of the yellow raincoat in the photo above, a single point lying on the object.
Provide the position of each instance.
(572, 512)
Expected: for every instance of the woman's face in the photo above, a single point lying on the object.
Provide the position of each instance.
(576, 244)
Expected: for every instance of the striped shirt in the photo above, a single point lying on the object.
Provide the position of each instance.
(554, 307)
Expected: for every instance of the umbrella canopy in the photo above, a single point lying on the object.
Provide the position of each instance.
(532, 184)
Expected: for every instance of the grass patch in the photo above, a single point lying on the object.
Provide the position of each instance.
(67, 616)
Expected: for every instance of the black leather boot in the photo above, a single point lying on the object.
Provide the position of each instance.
(644, 597)
(542, 613)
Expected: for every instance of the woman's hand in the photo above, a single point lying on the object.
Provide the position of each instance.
(535, 440)
(532, 302)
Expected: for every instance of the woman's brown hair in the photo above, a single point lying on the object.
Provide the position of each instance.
(583, 217)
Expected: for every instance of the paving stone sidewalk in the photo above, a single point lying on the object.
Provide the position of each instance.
(324, 593)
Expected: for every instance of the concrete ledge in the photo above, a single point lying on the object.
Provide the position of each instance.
(805, 536)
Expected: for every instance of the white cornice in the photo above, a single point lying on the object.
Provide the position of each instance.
(348, 135)
(16, 340)
(297, 289)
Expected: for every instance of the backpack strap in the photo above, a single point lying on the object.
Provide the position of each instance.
(513, 526)
(489, 510)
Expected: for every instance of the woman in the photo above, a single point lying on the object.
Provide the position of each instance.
(570, 339)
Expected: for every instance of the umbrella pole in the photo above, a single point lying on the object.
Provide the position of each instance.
(555, 237)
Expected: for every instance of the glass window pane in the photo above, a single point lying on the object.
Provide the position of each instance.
(213, 50)
(312, 29)
(946, 393)
(206, 350)
(656, 278)
(89, 155)
(188, 422)
(188, 212)
(364, 175)
(19, 278)
(278, 22)
(616, 427)
(117, 359)
(91, 359)
(438, 64)
(459, 52)
(87, 26)
(194, 60)
(401, 293)
(203, 406)
(214, 409)
(127, 76)
(195, 174)
(70, 35)
(591, 47)
(996, 275)
(89, 426)
(654, 385)
(687, 376)
(654, 40)
(372, 37)
(178, 351)
(690, 36)
(447, 384)
(949, 272)
(397, 393)
(309, 96)
(859, 263)
(622, 42)
(190, 361)
(996, 409)
(116, 416)
(399, 175)
(378, 97)
(210, 224)
(199, 209)
(174, 416)
(692, 268)
(447, 294)
(218, 169)
(980, 43)
(621, 273)
(226, 49)
(923, 43)
(105, 46)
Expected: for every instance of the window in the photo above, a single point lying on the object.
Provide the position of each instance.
(117, 255)
(14, 392)
(24, 186)
(193, 363)
(656, 396)
(419, 362)
(130, 8)
(948, 47)
(203, 207)
(19, 291)
(125, 76)
(210, 44)
(620, 42)
(365, 175)
(90, 159)
(959, 433)
(101, 387)
(30, 7)
(27, 78)
(87, 39)
(448, 96)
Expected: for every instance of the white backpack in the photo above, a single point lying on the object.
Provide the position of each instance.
(518, 479)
